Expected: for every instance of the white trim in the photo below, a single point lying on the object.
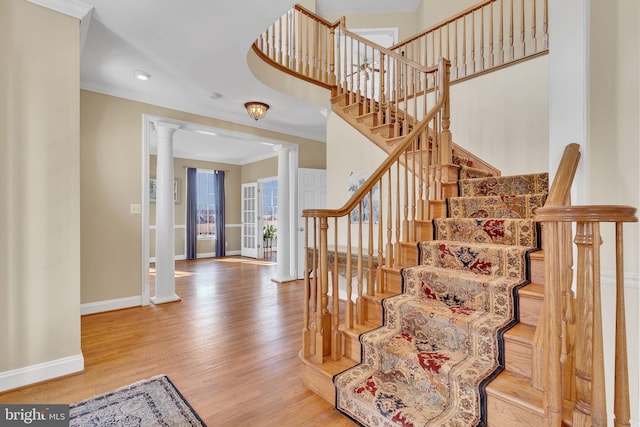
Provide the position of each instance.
(147, 126)
(110, 305)
(41, 372)
(175, 258)
(232, 225)
(631, 280)
(232, 253)
(73, 8)
(206, 255)
(163, 300)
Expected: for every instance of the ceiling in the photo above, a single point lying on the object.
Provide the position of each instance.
(196, 54)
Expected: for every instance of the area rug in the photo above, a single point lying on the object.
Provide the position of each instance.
(153, 402)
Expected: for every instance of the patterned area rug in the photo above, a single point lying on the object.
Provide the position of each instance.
(153, 402)
(441, 340)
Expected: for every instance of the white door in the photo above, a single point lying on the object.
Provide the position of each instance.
(312, 194)
(251, 236)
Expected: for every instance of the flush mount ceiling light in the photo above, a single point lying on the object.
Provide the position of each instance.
(141, 75)
(256, 110)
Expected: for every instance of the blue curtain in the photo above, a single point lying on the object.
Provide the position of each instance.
(218, 185)
(192, 213)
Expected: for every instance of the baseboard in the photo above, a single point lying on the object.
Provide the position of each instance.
(206, 255)
(631, 280)
(41, 372)
(109, 305)
(231, 253)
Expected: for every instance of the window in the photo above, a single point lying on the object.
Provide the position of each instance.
(270, 203)
(206, 204)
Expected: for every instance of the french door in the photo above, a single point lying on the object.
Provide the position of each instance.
(251, 236)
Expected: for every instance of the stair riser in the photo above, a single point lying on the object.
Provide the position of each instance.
(518, 357)
(505, 413)
(530, 307)
(408, 255)
(373, 310)
(386, 131)
(369, 120)
(393, 282)
(319, 382)
(354, 109)
(424, 230)
(352, 347)
(537, 269)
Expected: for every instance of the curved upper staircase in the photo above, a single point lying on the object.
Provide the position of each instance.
(540, 377)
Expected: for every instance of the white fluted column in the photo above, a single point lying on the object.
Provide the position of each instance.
(283, 269)
(165, 289)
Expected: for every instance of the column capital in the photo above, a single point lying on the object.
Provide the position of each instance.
(165, 125)
(280, 148)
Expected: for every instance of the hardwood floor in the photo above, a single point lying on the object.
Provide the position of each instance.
(230, 346)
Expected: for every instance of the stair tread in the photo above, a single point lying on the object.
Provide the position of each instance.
(539, 255)
(379, 296)
(532, 290)
(521, 332)
(330, 367)
(358, 329)
(515, 387)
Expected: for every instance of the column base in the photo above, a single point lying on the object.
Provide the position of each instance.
(284, 279)
(156, 300)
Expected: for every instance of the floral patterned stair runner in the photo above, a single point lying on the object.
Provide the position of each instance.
(441, 339)
(467, 172)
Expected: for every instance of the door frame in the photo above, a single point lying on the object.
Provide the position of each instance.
(147, 133)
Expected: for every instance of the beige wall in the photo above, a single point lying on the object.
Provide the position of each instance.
(431, 12)
(111, 162)
(266, 168)
(39, 192)
(503, 117)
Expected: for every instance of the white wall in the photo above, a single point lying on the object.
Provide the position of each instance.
(347, 151)
(503, 117)
(594, 101)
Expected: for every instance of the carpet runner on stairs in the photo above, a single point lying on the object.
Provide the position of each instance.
(441, 338)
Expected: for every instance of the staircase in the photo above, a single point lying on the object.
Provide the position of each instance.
(463, 284)
(369, 281)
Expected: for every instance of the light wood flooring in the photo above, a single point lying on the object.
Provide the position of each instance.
(230, 346)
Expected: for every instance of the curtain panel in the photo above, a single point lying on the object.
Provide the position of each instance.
(218, 184)
(192, 214)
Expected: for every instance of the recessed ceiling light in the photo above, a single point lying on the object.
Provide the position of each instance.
(216, 95)
(141, 75)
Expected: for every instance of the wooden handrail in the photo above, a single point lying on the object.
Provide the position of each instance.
(477, 40)
(560, 190)
(569, 335)
(376, 175)
(392, 90)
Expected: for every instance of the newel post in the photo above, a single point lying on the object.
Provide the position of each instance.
(323, 316)
(589, 408)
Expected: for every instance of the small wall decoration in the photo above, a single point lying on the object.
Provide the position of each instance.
(153, 191)
(355, 181)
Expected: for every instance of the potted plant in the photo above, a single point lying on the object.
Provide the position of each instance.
(268, 234)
